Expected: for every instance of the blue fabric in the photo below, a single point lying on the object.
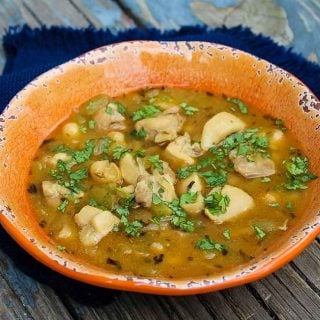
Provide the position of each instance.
(31, 52)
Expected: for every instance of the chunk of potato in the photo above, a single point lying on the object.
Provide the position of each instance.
(219, 127)
(129, 168)
(58, 156)
(95, 224)
(85, 215)
(181, 149)
(105, 172)
(240, 202)
(192, 184)
(71, 130)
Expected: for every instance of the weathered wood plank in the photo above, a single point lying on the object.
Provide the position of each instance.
(19, 269)
(10, 306)
(289, 22)
(288, 296)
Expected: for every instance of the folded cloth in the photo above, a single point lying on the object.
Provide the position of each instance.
(30, 52)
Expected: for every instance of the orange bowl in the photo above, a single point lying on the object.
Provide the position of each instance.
(118, 69)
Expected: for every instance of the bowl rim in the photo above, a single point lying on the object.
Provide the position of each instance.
(134, 285)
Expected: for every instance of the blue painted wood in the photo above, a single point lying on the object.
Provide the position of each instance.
(290, 22)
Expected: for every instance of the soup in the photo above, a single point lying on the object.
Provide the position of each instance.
(168, 183)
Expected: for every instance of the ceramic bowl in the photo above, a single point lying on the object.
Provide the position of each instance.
(117, 69)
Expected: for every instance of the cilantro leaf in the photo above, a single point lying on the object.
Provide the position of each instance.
(119, 151)
(188, 197)
(79, 174)
(91, 124)
(280, 124)
(226, 234)
(85, 154)
(139, 133)
(297, 173)
(140, 153)
(60, 248)
(208, 244)
(240, 104)
(260, 233)
(215, 178)
(189, 110)
(63, 205)
(148, 111)
(217, 203)
(120, 107)
(156, 162)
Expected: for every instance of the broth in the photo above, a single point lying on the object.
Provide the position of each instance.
(255, 173)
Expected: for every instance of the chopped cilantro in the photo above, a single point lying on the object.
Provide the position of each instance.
(83, 129)
(260, 233)
(140, 153)
(148, 111)
(119, 151)
(185, 172)
(139, 133)
(109, 110)
(60, 248)
(289, 206)
(156, 162)
(215, 178)
(156, 199)
(242, 107)
(232, 109)
(280, 124)
(63, 205)
(208, 244)
(120, 107)
(188, 197)
(226, 234)
(61, 148)
(91, 124)
(274, 205)
(79, 174)
(133, 228)
(265, 179)
(179, 217)
(297, 173)
(189, 110)
(217, 203)
(122, 212)
(85, 154)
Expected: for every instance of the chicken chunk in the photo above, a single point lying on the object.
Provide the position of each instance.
(105, 172)
(95, 224)
(109, 118)
(164, 127)
(240, 202)
(192, 184)
(144, 190)
(218, 128)
(58, 156)
(182, 150)
(54, 192)
(129, 168)
(259, 167)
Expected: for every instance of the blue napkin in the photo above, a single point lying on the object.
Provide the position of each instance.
(31, 52)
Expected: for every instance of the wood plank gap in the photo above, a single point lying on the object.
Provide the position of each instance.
(84, 15)
(130, 14)
(32, 13)
(291, 293)
(257, 296)
(305, 279)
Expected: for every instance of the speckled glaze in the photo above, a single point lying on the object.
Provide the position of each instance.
(49, 99)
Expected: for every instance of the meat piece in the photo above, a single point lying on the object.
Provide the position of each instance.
(54, 193)
(181, 149)
(259, 167)
(129, 168)
(192, 184)
(105, 172)
(164, 127)
(165, 183)
(219, 127)
(240, 202)
(95, 224)
(144, 190)
(109, 118)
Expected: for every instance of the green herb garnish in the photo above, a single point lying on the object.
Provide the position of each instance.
(260, 233)
(91, 124)
(156, 162)
(208, 244)
(139, 133)
(60, 248)
(63, 205)
(189, 110)
(217, 203)
(226, 234)
(188, 197)
(240, 104)
(148, 111)
(119, 151)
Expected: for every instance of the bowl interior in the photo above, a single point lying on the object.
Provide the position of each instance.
(39, 108)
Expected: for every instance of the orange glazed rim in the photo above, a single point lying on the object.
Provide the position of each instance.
(118, 69)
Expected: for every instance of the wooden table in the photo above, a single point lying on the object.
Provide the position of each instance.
(30, 291)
